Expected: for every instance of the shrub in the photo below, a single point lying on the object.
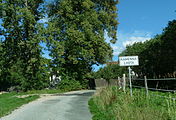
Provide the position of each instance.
(69, 84)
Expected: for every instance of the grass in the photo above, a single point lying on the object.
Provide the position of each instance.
(11, 101)
(113, 104)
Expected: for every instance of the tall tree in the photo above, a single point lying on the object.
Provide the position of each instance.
(168, 47)
(22, 52)
(76, 32)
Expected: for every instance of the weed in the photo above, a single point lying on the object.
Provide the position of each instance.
(113, 104)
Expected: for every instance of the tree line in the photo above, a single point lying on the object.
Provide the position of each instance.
(73, 34)
(157, 55)
(157, 59)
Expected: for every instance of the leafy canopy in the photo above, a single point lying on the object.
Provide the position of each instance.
(76, 31)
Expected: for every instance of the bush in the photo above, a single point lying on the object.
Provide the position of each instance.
(69, 84)
(109, 72)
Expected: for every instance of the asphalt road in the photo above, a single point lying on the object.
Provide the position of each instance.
(67, 106)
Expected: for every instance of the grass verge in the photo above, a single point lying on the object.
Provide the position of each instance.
(113, 104)
(11, 101)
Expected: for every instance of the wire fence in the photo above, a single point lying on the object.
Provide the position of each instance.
(161, 79)
(123, 82)
(155, 89)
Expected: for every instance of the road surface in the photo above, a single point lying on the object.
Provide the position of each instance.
(67, 106)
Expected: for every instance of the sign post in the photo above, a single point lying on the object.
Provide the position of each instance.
(129, 69)
(129, 61)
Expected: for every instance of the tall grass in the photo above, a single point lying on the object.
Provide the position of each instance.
(113, 104)
(171, 108)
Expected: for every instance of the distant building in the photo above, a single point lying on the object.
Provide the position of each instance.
(54, 80)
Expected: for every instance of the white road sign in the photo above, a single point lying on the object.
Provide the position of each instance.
(129, 61)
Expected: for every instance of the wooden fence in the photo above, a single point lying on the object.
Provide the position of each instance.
(123, 82)
(145, 86)
(104, 83)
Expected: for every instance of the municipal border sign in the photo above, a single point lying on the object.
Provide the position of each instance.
(129, 61)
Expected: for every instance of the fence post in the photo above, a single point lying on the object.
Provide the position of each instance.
(124, 82)
(131, 91)
(119, 83)
(146, 87)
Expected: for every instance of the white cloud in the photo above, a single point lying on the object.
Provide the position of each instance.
(116, 53)
(129, 39)
(125, 39)
(116, 50)
(135, 39)
(140, 33)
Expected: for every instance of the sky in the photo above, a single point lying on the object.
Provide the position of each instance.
(140, 20)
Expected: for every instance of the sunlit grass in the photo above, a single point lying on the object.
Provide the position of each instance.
(113, 104)
(10, 101)
(13, 100)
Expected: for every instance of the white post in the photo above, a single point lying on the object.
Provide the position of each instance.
(130, 81)
(146, 87)
(124, 82)
(119, 83)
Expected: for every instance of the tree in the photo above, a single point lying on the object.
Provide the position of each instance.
(76, 31)
(168, 48)
(112, 71)
(157, 55)
(22, 63)
(149, 56)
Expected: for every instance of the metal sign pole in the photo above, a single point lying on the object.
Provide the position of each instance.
(130, 81)
(129, 61)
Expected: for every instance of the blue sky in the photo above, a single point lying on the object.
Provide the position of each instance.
(140, 20)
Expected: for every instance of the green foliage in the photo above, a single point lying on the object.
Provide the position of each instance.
(109, 72)
(21, 61)
(156, 56)
(172, 108)
(113, 104)
(97, 113)
(75, 35)
(69, 84)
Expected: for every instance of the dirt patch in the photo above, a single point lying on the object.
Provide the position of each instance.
(41, 95)
(3, 92)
